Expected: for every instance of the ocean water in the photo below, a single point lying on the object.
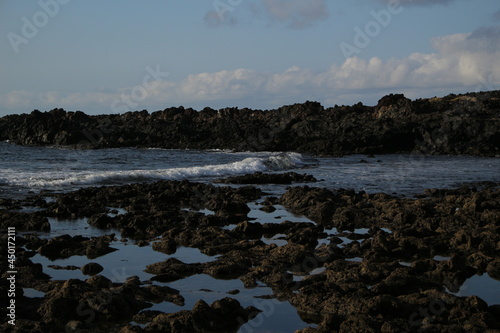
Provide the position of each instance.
(27, 170)
(33, 169)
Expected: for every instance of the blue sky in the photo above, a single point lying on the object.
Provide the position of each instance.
(114, 56)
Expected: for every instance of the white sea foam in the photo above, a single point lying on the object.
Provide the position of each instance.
(275, 162)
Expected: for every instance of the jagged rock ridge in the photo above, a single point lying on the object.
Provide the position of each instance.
(466, 124)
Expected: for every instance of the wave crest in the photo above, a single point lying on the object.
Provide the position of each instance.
(275, 162)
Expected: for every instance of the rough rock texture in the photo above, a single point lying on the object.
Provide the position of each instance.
(224, 315)
(23, 221)
(66, 246)
(377, 272)
(92, 268)
(455, 124)
(155, 208)
(269, 178)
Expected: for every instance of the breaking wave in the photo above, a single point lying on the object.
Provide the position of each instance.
(275, 162)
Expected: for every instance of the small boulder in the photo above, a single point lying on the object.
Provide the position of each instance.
(92, 268)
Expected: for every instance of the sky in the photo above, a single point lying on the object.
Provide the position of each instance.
(114, 56)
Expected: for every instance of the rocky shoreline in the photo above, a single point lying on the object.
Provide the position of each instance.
(367, 262)
(453, 125)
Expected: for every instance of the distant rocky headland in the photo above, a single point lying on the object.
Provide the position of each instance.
(467, 124)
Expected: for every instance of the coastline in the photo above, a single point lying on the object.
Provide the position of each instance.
(228, 255)
(464, 124)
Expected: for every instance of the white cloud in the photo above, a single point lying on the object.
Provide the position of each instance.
(16, 100)
(462, 62)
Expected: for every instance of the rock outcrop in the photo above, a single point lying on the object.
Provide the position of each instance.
(369, 262)
(456, 124)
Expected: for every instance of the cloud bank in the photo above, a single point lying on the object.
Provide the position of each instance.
(468, 62)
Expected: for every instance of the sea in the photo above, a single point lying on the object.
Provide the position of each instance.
(46, 170)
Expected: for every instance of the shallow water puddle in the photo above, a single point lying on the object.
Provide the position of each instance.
(202, 286)
(32, 293)
(482, 286)
(347, 237)
(355, 259)
(119, 265)
(115, 211)
(49, 199)
(300, 277)
(202, 211)
(206, 211)
(277, 239)
(334, 232)
(276, 316)
(27, 209)
(277, 216)
(78, 227)
(441, 258)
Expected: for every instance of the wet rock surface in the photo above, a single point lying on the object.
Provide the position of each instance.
(224, 315)
(455, 124)
(269, 178)
(365, 264)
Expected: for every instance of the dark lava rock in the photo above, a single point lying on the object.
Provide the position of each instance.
(383, 280)
(97, 301)
(268, 209)
(142, 243)
(455, 124)
(153, 209)
(174, 268)
(379, 294)
(92, 268)
(146, 316)
(158, 294)
(250, 230)
(227, 269)
(224, 315)
(269, 178)
(99, 281)
(24, 221)
(101, 220)
(306, 236)
(69, 267)
(269, 201)
(165, 245)
(493, 269)
(66, 246)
